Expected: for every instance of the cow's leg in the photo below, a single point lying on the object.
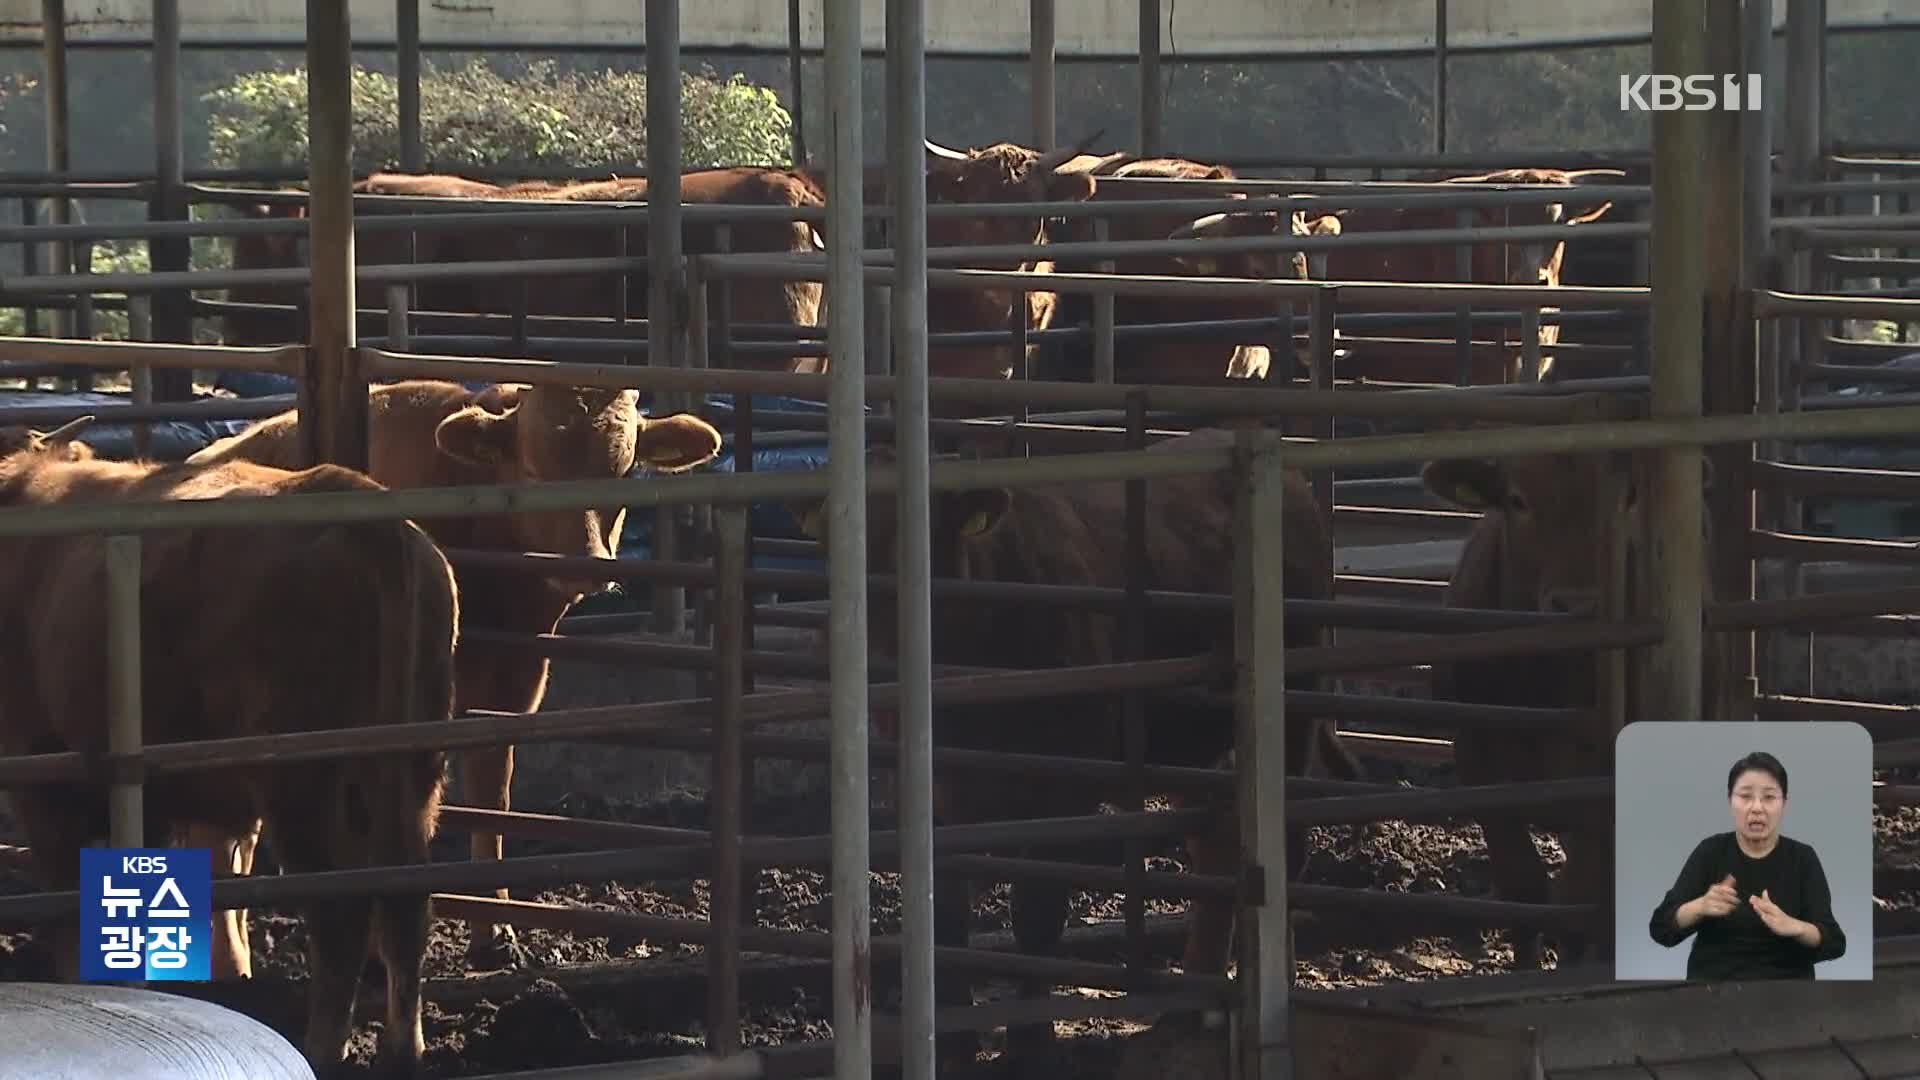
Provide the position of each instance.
(953, 897)
(402, 925)
(232, 954)
(486, 779)
(338, 933)
(1038, 911)
(1210, 919)
(506, 681)
(57, 825)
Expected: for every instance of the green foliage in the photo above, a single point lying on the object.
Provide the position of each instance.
(475, 117)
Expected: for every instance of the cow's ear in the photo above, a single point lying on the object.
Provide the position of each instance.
(474, 436)
(977, 513)
(1471, 485)
(676, 443)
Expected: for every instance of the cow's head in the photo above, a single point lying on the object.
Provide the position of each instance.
(572, 433)
(956, 522)
(265, 251)
(1001, 173)
(1551, 513)
(1531, 262)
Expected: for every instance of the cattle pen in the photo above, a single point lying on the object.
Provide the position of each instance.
(1680, 643)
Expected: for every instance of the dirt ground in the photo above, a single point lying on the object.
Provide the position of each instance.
(566, 1009)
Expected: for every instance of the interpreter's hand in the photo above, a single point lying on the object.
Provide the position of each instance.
(1720, 899)
(1777, 921)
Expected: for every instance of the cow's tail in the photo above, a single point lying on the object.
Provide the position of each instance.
(416, 606)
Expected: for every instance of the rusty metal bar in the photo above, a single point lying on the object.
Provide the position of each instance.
(729, 903)
(686, 861)
(1836, 480)
(1450, 404)
(1133, 635)
(612, 722)
(1442, 804)
(281, 359)
(815, 943)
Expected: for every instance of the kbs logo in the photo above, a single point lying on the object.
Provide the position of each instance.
(146, 914)
(1695, 93)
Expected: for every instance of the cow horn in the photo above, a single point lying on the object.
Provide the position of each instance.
(1193, 228)
(937, 150)
(65, 432)
(1053, 159)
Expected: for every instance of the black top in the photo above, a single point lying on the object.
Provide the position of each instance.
(1738, 945)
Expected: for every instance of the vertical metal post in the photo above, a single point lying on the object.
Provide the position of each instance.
(1675, 515)
(906, 159)
(1041, 49)
(1264, 1028)
(1149, 77)
(127, 821)
(398, 334)
(1104, 360)
(172, 308)
(665, 290)
(1731, 376)
(796, 71)
(140, 328)
(1133, 705)
(1756, 142)
(333, 393)
(406, 22)
(1439, 76)
(53, 21)
(726, 794)
(847, 550)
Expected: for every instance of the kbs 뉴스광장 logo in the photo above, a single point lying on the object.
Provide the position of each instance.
(146, 914)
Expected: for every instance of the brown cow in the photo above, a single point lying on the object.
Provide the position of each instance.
(251, 631)
(754, 300)
(1000, 173)
(1519, 263)
(435, 434)
(1075, 535)
(1539, 546)
(1186, 362)
(581, 295)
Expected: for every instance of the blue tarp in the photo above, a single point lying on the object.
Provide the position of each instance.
(172, 439)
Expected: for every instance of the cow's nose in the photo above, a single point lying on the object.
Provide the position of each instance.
(1581, 602)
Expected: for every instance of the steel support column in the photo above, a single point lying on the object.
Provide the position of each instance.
(1264, 1033)
(1150, 80)
(847, 549)
(1041, 51)
(666, 285)
(53, 50)
(333, 395)
(1675, 559)
(406, 32)
(173, 308)
(906, 159)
